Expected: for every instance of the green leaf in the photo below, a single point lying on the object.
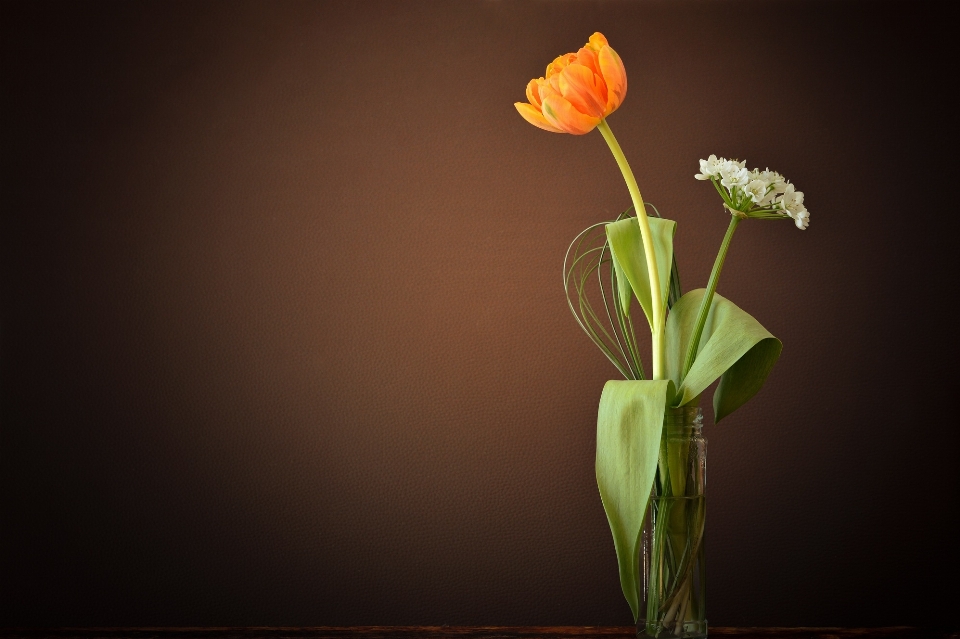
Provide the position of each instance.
(733, 345)
(746, 377)
(629, 258)
(629, 424)
(623, 286)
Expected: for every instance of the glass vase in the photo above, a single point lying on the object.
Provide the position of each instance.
(672, 576)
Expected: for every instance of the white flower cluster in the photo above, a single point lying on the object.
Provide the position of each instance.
(756, 193)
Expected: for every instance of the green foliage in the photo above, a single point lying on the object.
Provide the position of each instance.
(599, 294)
(628, 439)
(733, 347)
(624, 290)
(626, 247)
(596, 306)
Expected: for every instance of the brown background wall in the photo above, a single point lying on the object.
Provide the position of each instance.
(283, 339)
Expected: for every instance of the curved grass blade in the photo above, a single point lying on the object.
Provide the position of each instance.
(611, 328)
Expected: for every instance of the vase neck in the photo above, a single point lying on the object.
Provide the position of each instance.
(686, 420)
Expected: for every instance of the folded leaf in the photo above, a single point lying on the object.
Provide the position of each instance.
(626, 247)
(733, 345)
(623, 286)
(629, 424)
(745, 378)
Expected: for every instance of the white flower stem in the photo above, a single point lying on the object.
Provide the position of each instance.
(656, 296)
(708, 297)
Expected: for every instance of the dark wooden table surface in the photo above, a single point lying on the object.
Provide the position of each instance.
(459, 632)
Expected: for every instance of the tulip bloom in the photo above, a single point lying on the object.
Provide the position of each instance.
(579, 90)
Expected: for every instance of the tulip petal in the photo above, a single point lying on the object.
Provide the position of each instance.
(533, 92)
(534, 117)
(584, 89)
(588, 58)
(615, 77)
(563, 115)
(550, 84)
(597, 41)
(559, 63)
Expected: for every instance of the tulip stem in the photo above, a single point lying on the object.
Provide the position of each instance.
(656, 296)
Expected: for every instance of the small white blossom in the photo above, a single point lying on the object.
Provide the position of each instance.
(792, 204)
(757, 190)
(734, 175)
(710, 168)
(791, 200)
(773, 178)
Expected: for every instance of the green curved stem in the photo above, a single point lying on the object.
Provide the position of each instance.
(708, 297)
(656, 297)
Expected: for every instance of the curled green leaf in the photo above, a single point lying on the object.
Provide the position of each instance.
(626, 246)
(734, 347)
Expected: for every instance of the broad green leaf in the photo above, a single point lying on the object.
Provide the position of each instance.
(629, 424)
(626, 248)
(733, 345)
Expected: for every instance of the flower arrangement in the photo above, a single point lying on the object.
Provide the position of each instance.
(646, 466)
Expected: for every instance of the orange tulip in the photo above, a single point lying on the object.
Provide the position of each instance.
(578, 91)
